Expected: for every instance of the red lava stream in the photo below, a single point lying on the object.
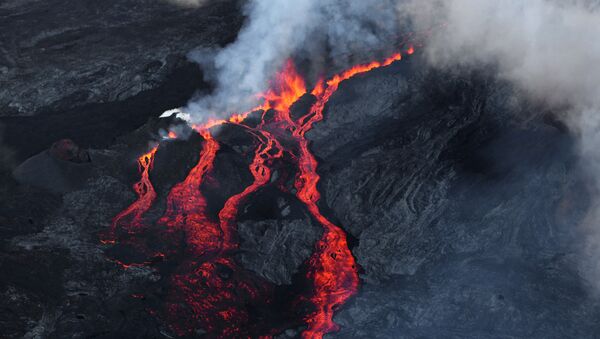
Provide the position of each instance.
(135, 211)
(208, 288)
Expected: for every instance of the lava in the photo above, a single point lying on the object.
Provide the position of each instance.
(217, 289)
(146, 196)
(268, 149)
(332, 267)
(287, 88)
(208, 288)
(202, 292)
(186, 206)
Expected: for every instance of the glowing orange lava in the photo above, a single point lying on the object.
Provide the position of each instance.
(332, 267)
(268, 149)
(287, 88)
(201, 294)
(208, 287)
(135, 211)
(186, 206)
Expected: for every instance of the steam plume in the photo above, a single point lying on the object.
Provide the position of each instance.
(548, 49)
(278, 29)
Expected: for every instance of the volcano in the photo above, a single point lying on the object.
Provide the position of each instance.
(378, 198)
(210, 288)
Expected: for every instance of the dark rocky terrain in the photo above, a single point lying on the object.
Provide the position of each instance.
(462, 205)
(90, 70)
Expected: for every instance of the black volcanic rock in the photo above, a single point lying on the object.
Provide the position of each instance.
(461, 205)
(457, 210)
(93, 71)
(56, 175)
(63, 168)
(455, 207)
(63, 53)
(276, 248)
(461, 216)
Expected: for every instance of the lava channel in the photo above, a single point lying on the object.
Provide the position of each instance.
(209, 290)
(131, 219)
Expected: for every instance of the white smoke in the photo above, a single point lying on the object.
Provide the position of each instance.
(274, 29)
(546, 47)
(278, 29)
(549, 49)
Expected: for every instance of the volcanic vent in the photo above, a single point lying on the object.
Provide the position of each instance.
(207, 288)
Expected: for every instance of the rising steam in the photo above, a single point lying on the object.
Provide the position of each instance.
(549, 49)
(278, 29)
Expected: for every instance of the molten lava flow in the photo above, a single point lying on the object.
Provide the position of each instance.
(208, 288)
(332, 267)
(268, 149)
(201, 292)
(186, 206)
(218, 301)
(288, 87)
(146, 196)
(216, 288)
(336, 79)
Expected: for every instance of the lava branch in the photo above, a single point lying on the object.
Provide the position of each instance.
(186, 206)
(146, 196)
(201, 284)
(215, 296)
(267, 150)
(200, 294)
(332, 267)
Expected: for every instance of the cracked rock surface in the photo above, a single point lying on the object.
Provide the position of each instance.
(466, 219)
(61, 54)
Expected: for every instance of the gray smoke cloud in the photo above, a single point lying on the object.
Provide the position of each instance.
(549, 49)
(278, 29)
